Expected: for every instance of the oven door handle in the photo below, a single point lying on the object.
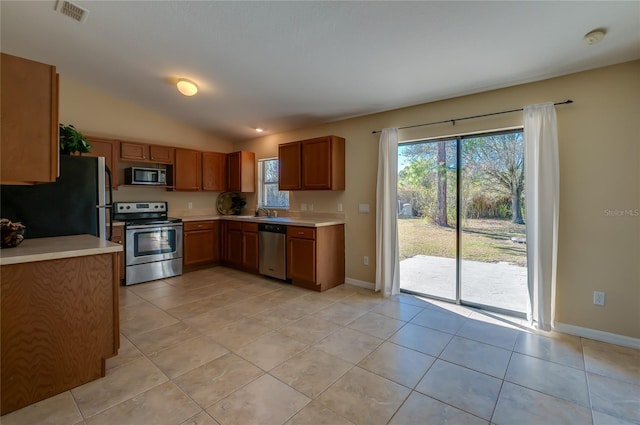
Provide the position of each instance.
(154, 226)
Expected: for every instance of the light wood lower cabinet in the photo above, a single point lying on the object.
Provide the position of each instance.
(59, 322)
(240, 245)
(201, 242)
(117, 236)
(315, 256)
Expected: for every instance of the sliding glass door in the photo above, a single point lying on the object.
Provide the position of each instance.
(461, 220)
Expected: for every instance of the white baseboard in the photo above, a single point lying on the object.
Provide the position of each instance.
(611, 338)
(360, 283)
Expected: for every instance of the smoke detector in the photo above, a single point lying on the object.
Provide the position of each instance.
(72, 10)
(594, 37)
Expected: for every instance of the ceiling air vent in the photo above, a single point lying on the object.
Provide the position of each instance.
(72, 10)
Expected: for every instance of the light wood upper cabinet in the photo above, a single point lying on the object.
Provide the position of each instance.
(109, 149)
(187, 169)
(142, 152)
(214, 170)
(241, 171)
(320, 164)
(134, 151)
(161, 154)
(29, 109)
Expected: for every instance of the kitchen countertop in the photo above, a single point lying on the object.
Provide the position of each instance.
(41, 249)
(290, 221)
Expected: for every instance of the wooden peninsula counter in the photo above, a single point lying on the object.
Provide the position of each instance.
(59, 316)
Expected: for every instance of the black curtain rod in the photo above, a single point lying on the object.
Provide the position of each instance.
(453, 121)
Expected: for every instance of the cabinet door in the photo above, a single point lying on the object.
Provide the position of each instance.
(316, 164)
(109, 150)
(214, 167)
(289, 166)
(161, 154)
(188, 174)
(29, 137)
(241, 172)
(234, 247)
(134, 151)
(216, 242)
(198, 247)
(301, 259)
(250, 259)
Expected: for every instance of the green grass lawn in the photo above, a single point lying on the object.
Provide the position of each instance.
(486, 240)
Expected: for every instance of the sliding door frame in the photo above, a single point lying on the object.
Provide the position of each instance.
(459, 139)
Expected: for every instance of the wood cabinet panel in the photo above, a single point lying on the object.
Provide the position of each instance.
(320, 166)
(241, 171)
(201, 242)
(161, 154)
(250, 258)
(59, 323)
(189, 226)
(234, 247)
(289, 166)
(316, 164)
(315, 256)
(109, 149)
(187, 170)
(117, 236)
(29, 121)
(214, 171)
(134, 151)
(198, 247)
(301, 259)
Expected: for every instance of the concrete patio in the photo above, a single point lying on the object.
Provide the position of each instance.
(500, 285)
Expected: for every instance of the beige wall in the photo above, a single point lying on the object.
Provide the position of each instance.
(97, 113)
(599, 138)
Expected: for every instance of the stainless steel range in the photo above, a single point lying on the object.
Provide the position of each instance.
(153, 241)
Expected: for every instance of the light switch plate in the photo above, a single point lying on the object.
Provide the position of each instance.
(363, 208)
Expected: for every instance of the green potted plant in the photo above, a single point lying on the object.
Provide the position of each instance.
(72, 141)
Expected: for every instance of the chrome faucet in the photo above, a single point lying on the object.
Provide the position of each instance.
(265, 210)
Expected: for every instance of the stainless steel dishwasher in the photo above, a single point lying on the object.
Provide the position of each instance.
(273, 250)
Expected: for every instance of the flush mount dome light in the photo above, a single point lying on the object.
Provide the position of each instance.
(594, 37)
(259, 130)
(186, 87)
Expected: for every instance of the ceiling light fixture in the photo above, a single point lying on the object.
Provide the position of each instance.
(259, 130)
(594, 37)
(186, 87)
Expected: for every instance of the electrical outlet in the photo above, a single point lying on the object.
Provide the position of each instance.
(366, 260)
(303, 207)
(340, 207)
(598, 298)
(310, 207)
(190, 205)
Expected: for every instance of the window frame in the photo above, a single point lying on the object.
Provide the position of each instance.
(261, 185)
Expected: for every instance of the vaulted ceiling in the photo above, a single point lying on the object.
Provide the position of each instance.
(283, 65)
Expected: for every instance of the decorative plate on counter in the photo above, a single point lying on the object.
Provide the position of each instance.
(230, 203)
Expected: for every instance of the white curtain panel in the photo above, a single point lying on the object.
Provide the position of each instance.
(387, 251)
(542, 184)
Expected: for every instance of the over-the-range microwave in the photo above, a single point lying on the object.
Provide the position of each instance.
(151, 176)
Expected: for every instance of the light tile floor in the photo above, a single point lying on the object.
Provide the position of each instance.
(218, 346)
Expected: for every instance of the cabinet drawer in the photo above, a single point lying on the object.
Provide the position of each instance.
(301, 232)
(234, 225)
(197, 225)
(249, 227)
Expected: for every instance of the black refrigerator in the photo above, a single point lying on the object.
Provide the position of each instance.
(74, 204)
